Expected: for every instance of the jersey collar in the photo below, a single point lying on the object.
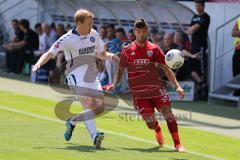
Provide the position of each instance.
(136, 45)
(74, 31)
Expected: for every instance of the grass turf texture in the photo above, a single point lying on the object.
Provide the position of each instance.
(24, 137)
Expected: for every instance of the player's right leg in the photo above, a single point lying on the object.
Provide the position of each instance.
(145, 108)
(69, 129)
(91, 98)
(96, 105)
(92, 107)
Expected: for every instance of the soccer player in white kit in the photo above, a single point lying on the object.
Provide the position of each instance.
(79, 42)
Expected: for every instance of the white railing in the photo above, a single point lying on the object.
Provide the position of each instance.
(223, 58)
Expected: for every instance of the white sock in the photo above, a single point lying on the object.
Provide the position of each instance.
(77, 118)
(90, 123)
(87, 114)
(88, 117)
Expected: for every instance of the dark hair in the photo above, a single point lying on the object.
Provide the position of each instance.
(53, 25)
(24, 23)
(95, 27)
(111, 26)
(202, 2)
(161, 34)
(69, 26)
(179, 31)
(121, 30)
(130, 31)
(37, 25)
(15, 20)
(61, 25)
(103, 27)
(140, 23)
(154, 30)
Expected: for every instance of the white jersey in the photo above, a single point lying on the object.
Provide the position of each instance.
(75, 48)
(75, 45)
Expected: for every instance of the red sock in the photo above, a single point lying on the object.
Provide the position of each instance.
(157, 128)
(159, 136)
(173, 129)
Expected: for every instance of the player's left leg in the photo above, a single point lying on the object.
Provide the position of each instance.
(91, 98)
(172, 127)
(163, 105)
(92, 107)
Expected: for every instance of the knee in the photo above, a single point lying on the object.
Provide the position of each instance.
(170, 117)
(99, 108)
(150, 121)
(152, 125)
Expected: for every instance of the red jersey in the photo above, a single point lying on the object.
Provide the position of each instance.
(143, 77)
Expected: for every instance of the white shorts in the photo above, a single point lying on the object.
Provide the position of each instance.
(75, 80)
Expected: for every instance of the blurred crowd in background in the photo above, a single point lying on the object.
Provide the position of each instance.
(29, 44)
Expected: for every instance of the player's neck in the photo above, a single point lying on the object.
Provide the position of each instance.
(141, 44)
(80, 31)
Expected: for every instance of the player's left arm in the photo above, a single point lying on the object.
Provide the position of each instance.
(160, 58)
(107, 56)
(171, 77)
(101, 50)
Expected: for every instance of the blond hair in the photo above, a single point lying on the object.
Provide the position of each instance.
(81, 15)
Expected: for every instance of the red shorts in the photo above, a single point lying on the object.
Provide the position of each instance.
(146, 106)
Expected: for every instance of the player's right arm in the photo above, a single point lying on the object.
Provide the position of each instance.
(54, 50)
(122, 65)
(117, 79)
(43, 60)
(118, 76)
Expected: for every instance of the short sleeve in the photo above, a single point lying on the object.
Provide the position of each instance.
(58, 46)
(100, 45)
(193, 20)
(201, 21)
(198, 20)
(160, 57)
(123, 59)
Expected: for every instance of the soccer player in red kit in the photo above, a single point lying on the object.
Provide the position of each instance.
(143, 60)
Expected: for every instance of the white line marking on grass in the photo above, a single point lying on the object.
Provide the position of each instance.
(106, 131)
